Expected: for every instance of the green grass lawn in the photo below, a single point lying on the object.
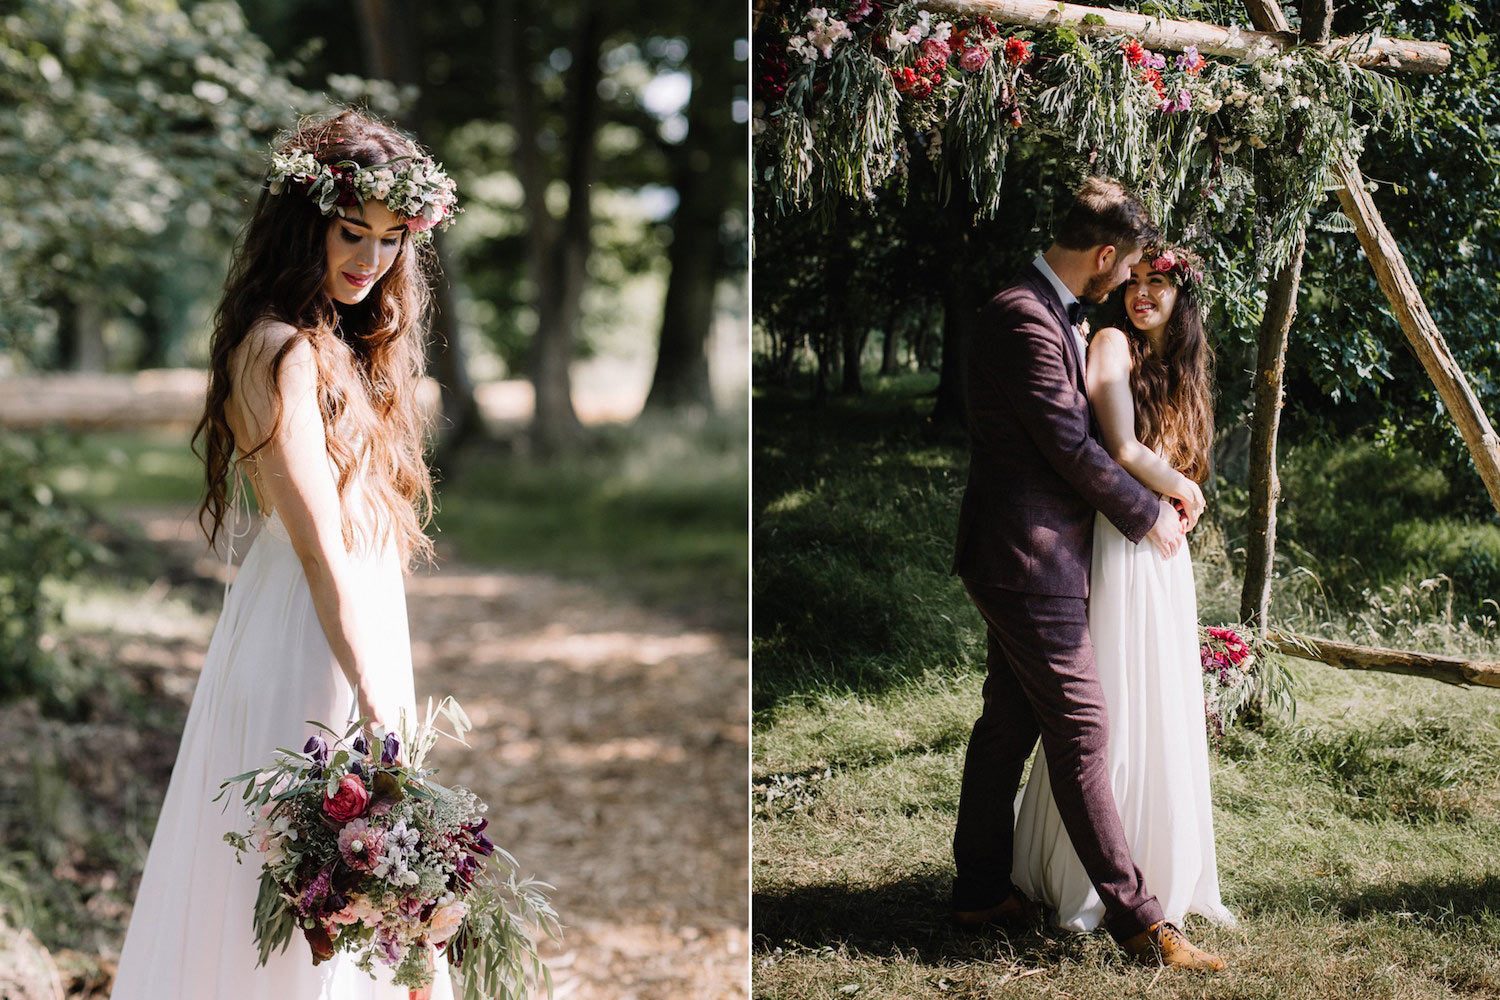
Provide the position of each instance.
(1359, 843)
(657, 512)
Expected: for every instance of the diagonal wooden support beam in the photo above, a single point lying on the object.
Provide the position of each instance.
(1416, 322)
(1211, 39)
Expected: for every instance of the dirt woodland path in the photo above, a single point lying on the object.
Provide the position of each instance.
(611, 743)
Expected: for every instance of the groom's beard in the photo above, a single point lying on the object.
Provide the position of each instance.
(1097, 288)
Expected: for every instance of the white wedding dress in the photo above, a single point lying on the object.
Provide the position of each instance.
(1143, 620)
(268, 670)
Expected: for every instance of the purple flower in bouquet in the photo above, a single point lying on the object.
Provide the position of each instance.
(389, 749)
(360, 844)
(316, 894)
(361, 745)
(316, 748)
(466, 868)
(390, 948)
(481, 843)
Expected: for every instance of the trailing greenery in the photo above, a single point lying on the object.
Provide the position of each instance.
(854, 96)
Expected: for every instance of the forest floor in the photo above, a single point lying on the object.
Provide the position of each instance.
(609, 738)
(610, 715)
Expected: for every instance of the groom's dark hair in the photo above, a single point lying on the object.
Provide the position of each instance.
(1104, 213)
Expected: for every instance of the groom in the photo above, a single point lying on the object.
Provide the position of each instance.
(1037, 473)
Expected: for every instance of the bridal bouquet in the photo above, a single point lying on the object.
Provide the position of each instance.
(363, 852)
(1240, 676)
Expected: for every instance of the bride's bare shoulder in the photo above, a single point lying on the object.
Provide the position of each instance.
(260, 346)
(1108, 337)
(1109, 346)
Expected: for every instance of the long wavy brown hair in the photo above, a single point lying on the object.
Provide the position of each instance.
(369, 356)
(1173, 391)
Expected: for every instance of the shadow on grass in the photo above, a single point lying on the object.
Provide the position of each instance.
(909, 916)
(1430, 900)
(1434, 901)
(855, 510)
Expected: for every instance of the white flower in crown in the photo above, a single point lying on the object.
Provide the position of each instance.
(414, 188)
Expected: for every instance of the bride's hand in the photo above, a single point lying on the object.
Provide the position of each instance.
(373, 714)
(1192, 501)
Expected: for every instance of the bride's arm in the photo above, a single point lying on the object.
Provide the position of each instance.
(1108, 381)
(298, 479)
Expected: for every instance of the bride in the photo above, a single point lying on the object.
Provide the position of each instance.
(316, 355)
(1149, 386)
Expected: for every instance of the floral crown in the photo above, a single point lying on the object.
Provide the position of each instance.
(413, 187)
(1179, 262)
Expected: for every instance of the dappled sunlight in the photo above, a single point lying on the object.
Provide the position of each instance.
(607, 651)
(442, 583)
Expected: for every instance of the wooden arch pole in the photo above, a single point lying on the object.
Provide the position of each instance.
(1265, 420)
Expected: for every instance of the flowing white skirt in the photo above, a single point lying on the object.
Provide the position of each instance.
(1143, 618)
(268, 670)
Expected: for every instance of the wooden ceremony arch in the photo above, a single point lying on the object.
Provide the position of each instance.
(1273, 33)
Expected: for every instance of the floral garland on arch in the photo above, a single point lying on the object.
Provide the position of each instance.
(849, 94)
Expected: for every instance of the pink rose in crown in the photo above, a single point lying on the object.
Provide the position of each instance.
(348, 802)
(1164, 264)
(421, 223)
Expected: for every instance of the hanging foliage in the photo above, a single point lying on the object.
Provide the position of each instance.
(850, 94)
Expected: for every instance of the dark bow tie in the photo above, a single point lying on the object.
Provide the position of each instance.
(1075, 313)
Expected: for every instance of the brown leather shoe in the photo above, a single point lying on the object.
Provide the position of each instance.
(1163, 944)
(1012, 913)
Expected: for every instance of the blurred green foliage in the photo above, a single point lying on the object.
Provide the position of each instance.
(39, 529)
(132, 134)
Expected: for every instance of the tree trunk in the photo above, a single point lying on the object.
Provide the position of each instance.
(1210, 39)
(888, 345)
(1265, 486)
(557, 250)
(705, 186)
(855, 335)
(391, 38)
(80, 336)
(960, 311)
(1317, 21)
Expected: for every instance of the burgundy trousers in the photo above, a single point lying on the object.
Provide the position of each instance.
(1042, 682)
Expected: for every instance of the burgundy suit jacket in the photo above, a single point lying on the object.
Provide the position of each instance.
(1037, 471)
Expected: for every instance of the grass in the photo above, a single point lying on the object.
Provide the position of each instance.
(656, 510)
(1359, 844)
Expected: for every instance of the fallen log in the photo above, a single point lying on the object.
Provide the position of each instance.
(1347, 656)
(1233, 42)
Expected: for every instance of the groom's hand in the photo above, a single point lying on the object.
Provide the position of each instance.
(1166, 534)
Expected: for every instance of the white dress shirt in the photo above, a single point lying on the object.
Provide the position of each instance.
(1063, 293)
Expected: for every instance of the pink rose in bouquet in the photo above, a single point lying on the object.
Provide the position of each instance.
(348, 802)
